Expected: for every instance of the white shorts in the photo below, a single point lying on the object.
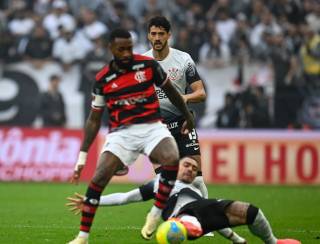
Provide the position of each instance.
(136, 139)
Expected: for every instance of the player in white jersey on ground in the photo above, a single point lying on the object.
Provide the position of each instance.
(144, 193)
(199, 215)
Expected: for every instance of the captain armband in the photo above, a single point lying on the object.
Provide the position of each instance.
(98, 103)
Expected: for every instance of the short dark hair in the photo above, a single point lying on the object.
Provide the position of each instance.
(119, 33)
(159, 21)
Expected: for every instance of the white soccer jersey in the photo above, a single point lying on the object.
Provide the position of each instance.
(185, 199)
(182, 72)
(178, 186)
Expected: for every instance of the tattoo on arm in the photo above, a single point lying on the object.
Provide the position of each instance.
(91, 130)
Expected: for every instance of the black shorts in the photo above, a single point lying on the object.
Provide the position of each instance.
(188, 145)
(209, 212)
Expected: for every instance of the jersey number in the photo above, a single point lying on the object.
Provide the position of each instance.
(193, 135)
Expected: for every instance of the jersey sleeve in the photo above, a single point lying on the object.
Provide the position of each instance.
(160, 76)
(191, 72)
(98, 101)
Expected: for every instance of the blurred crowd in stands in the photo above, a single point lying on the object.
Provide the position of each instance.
(282, 35)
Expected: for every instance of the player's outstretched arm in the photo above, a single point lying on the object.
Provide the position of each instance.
(75, 203)
(120, 198)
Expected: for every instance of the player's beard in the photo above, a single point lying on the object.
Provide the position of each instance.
(163, 45)
(123, 65)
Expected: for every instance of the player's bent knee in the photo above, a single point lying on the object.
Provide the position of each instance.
(170, 159)
(251, 214)
(237, 213)
(104, 173)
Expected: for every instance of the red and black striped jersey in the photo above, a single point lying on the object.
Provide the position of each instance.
(130, 97)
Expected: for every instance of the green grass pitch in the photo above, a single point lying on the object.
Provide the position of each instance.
(35, 213)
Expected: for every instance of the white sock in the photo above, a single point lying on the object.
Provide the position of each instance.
(198, 182)
(155, 211)
(261, 228)
(83, 234)
(231, 235)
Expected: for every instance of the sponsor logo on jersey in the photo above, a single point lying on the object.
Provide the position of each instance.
(191, 70)
(172, 125)
(192, 144)
(138, 66)
(131, 100)
(110, 77)
(160, 93)
(140, 76)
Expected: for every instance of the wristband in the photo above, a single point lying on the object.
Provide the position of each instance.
(82, 159)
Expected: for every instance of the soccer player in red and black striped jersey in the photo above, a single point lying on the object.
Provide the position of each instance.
(126, 87)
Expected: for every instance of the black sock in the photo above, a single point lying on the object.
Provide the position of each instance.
(168, 176)
(90, 206)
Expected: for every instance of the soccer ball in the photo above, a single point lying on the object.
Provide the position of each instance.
(171, 232)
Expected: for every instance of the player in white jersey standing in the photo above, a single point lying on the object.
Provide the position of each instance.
(183, 74)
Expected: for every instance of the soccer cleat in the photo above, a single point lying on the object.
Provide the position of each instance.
(192, 225)
(192, 229)
(288, 241)
(210, 234)
(150, 225)
(79, 240)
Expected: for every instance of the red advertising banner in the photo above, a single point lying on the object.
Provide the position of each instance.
(250, 157)
(228, 157)
(40, 154)
(261, 157)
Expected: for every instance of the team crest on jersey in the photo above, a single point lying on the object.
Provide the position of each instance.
(140, 76)
(174, 74)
